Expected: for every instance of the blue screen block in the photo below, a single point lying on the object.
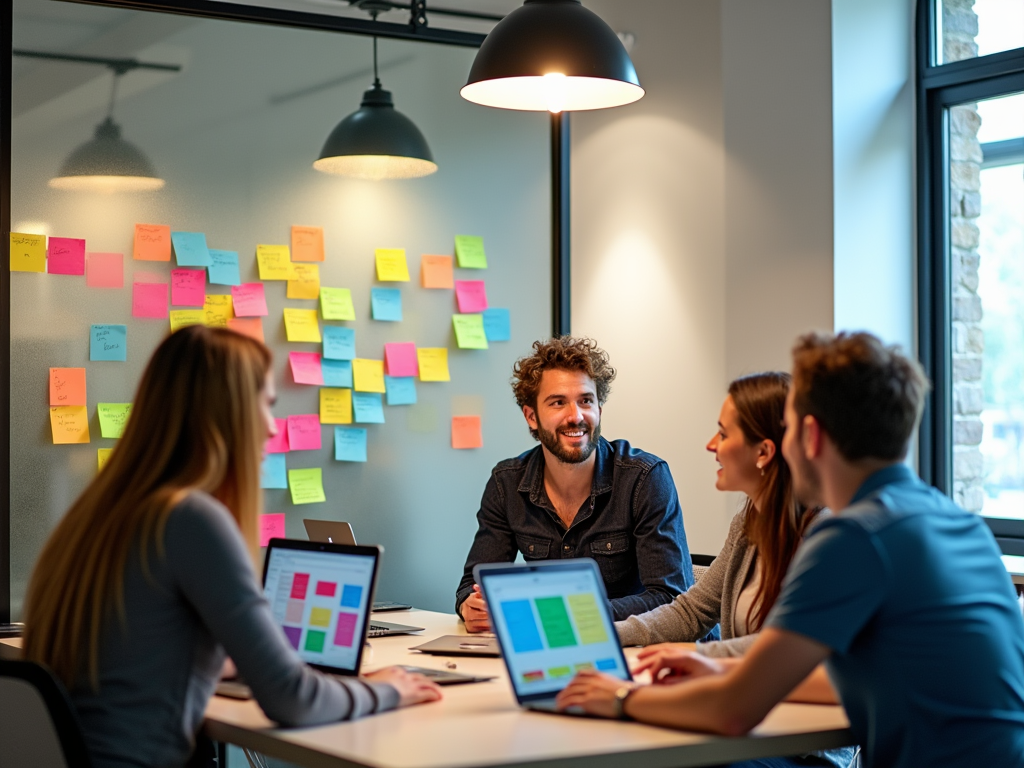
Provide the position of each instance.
(497, 324)
(351, 596)
(274, 474)
(190, 249)
(386, 304)
(337, 373)
(339, 343)
(108, 342)
(223, 269)
(401, 390)
(522, 628)
(606, 665)
(349, 444)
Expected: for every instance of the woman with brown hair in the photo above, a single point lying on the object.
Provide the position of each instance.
(149, 578)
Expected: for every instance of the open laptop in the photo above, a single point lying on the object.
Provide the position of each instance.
(552, 619)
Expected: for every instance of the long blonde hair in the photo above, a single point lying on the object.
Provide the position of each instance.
(195, 425)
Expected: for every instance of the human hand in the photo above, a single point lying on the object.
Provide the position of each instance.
(474, 612)
(669, 663)
(594, 692)
(228, 671)
(412, 688)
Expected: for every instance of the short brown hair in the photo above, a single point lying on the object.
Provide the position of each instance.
(561, 353)
(867, 396)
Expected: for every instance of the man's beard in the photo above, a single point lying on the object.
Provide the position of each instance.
(570, 455)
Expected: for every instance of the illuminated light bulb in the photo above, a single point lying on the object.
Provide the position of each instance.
(555, 91)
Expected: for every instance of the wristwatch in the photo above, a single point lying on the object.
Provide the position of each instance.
(621, 694)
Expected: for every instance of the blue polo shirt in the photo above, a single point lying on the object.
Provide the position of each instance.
(927, 640)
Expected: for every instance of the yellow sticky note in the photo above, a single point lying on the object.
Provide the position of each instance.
(336, 304)
(391, 266)
(28, 253)
(70, 424)
(305, 282)
(306, 485)
(217, 310)
(335, 406)
(301, 325)
(368, 375)
(182, 317)
(433, 363)
(274, 261)
(102, 457)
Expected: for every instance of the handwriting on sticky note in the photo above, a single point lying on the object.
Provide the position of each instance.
(250, 300)
(272, 525)
(273, 471)
(436, 272)
(188, 287)
(386, 304)
(304, 432)
(349, 444)
(28, 252)
(335, 406)
(336, 304)
(305, 282)
(301, 325)
(306, 368)
(391, 265)
(247, 326)
(400, 359)
(307, 485)
(274, 262)
(149, 300)
(368, 375)
(471, 295)
(190, 249)
(69, 424)
(218, 309)
(469, 250)
(337, 373)
(67, 386)
(307, 244)
(339, 343)
(104, 270)
(152, 243)
(401, 390)
(102, 457)
(368, 407)
(466, 432)
(113, 418)
(279, 442)
(469, 331)
(433, 363)
(65, 256)
(108, 343)
(497, 324)
(223, 268)
(181, 318)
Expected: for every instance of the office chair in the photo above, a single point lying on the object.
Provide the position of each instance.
(701, 563)
(38, 724)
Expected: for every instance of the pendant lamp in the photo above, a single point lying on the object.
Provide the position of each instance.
(376, 141)
(552, 55)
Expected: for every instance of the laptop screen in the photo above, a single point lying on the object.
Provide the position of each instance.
(552, 621)
(321, 599)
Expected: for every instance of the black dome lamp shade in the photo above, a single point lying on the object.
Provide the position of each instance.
(376, 141)
(552, 55)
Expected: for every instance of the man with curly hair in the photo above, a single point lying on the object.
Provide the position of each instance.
(577, 494)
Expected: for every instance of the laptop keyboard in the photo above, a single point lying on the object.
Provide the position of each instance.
(377, 630)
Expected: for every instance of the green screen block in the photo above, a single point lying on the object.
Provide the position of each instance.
(315, 641)
(555, 619)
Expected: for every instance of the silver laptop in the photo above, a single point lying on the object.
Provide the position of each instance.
(330, 532)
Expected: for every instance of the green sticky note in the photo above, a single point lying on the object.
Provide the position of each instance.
(307, 485)
(336, 304)
(113, 417)
(469, 251)
(469, 331)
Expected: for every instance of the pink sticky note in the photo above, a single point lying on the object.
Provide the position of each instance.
(472, 295)
(271, 527)
(306, 368)
(400, 359)
(249, 300)
(149, 300)
(279, 442)
(188, 287)
(304, 432)
(65, 256)
(104, 270)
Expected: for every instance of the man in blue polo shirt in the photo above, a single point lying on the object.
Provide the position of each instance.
(901, 593)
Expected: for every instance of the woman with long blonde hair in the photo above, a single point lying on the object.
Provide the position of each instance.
(149, 580)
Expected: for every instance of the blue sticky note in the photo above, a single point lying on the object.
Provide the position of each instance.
(273, 473)
(224, 268)
(497, 324)
(337, 373)
(386, 304)
(190, 249)
(368, 407)
(339, 343)
(401, 390)
(108, 342)
(349, 444)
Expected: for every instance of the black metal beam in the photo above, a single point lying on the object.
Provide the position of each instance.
(118, 65)
(6, 45)
(560, 214)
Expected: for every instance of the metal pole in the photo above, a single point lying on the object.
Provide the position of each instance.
(560, 220)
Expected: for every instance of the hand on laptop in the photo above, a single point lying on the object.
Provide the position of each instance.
(474, 612)
(675, 662)
(593, 692)
(412, 688)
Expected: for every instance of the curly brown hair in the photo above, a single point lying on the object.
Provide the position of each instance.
(561, 353)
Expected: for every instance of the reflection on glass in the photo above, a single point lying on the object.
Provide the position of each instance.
(971, 28)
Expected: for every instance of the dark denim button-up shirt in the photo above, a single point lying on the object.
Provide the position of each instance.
(631, 525)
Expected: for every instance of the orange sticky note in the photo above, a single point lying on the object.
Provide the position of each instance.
(67, 386)
(436, 272)
(152, 242)
(247, 326)
(70, 424)
(307, 244)
(466, 432)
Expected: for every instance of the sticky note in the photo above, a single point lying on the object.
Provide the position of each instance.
(65, 256)
(279, 442)
(149, 300)
(249, 300)
(301, 325)
(28, 252)
(336, 304)
(67, 386)
(497, 324)
(433, 364)
(469, 250)
(436, 272)
(339, 343)
(69, 424)
(180, 318)
(273, 472)
(337, 373)
(391, 265)
(223, 268)
(335, 406)
(307, 485)
(102, 457)
(466, 432)
(306, 368)
(386, 304)
(305, 282)
(274, 262)
(349, 444)
(272, 524)
(108, 342)
(247, 326)
(104, 270)
(217, 310)
(368, 407)
(400, 359)
(304, 432)
(113, 418)
(152, 243)
(472, 295)
(368, 375)
(307, 244)
(188, 287)
(469, 331)
(190, 249)
(401, 390)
